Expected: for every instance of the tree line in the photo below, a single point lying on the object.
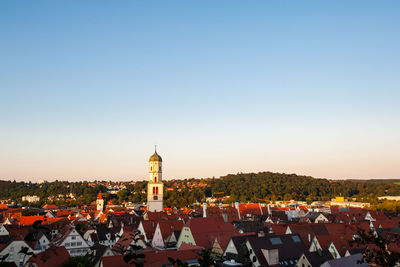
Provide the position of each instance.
(243, 187)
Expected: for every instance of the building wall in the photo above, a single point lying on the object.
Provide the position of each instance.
(13, 250)
(75, 244)
(157, 238)
(185, 237)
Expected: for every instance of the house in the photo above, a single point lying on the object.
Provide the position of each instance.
(105, 236)
(336, 245)
(250, 227)
(317, 217)
(236, 249)
(350, 261)
(375, 216)
(312, 259)
(163, 232)
(173, 238)
(307, 231)
(275, 250)
(96, 252)
(3, 230)
(203, 231)
(127, 240)
(43, 241)
(54, 257)
(13, 249)
(221, 242)
(147, 229)
(73, 242)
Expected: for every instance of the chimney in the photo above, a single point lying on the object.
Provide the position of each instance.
(204, 210)
(237, 207)
(309, 237)
(271, 255)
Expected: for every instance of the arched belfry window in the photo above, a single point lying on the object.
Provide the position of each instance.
(155, 179)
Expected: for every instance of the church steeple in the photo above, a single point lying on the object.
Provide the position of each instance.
(100, 202)
(155, 186)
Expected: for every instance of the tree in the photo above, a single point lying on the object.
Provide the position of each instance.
(378, 253)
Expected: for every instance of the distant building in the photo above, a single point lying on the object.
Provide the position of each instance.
(155, 186)
(397, 198)
(100, 202)
(31, 199)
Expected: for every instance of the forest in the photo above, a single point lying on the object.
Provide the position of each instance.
(244, 187)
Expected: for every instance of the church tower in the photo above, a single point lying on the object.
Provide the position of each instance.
(100, 202)
(155, 186)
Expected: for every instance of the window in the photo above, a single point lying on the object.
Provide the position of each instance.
(79, 244)
(73, 244)
(66, 244)
(155, 179)
(155, 197)
(275, 241)
(73, 237)
(295, 238)
(156, 190)
(11, 249)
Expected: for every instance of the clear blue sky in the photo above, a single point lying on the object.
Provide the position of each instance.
(309, 87)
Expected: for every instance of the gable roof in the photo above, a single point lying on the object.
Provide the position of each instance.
(318, 257)
(290, 247)
(168, 227)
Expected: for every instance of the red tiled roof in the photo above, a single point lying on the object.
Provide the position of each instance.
(384, 224)
(279, 229)
(3, 207)
(64, 213)
(50, 207)
(160, 257)
(114, 261)
(149, 228)
(167, 227)
(124, 241)
(54, 257)
(100, 196)
(186, 246)
(245, 209)
(205, 230)
(153, 258)
(29, 220)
